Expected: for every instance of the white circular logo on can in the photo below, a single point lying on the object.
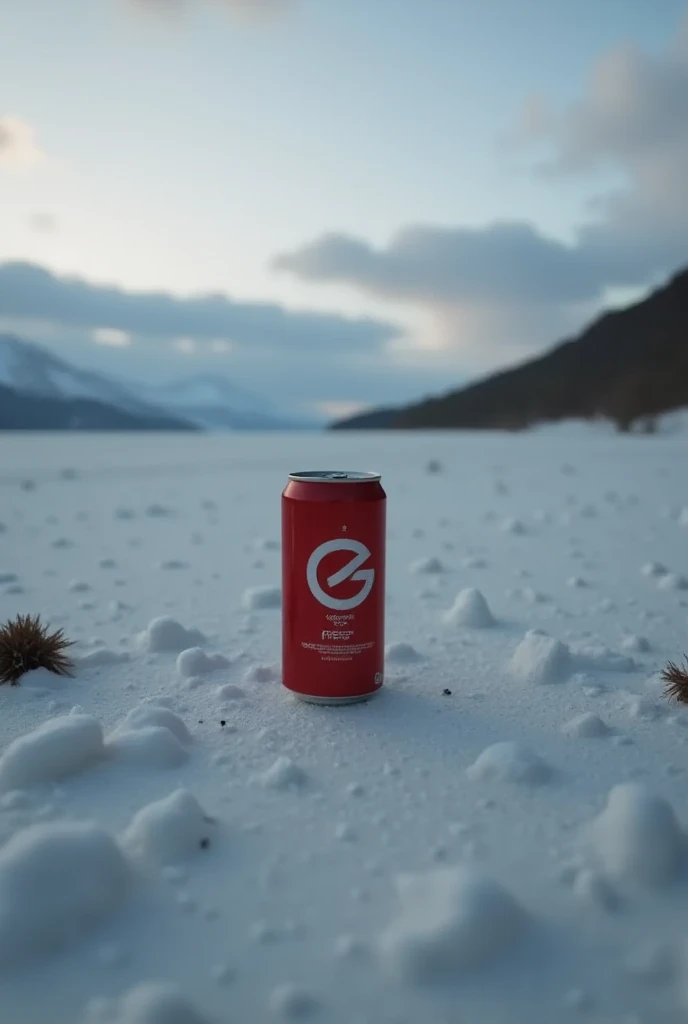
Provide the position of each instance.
(351, 570)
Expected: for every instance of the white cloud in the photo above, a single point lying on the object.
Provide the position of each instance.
(220, 346)
(508, 287)
(112, 337)
(18, 146)
(339, 409)
(186, 345)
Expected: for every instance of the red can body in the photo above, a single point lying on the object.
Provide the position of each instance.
(333, 586)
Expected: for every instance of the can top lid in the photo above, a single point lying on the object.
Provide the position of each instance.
(334, 476)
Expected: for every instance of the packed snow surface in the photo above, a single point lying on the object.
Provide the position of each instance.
(183, 842)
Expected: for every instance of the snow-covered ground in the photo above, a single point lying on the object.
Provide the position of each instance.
(500, 836)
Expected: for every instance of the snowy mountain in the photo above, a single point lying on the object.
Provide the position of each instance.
(203, 400)
(32, 370)
(216, 403)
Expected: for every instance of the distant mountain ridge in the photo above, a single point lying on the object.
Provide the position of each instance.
(203, 401)
(628, 366)
(22, 411)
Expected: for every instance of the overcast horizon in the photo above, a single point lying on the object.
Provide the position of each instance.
(334, 203)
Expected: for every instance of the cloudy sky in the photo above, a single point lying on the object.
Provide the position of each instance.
(335, 203)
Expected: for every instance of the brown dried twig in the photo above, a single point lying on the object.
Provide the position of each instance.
(26, 644)
(676, 679)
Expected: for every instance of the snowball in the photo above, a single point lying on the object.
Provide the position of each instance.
(509, 762)
(284, 774)
(588, 726)
(401, 653)
(654, 569)
(56, 880)
(230, 692)
(540, 659)
(58, 748)
(156, 1003)
(150, 745)
(149, 714)
(262, 597)
(673, 581)
(470, 609)
(637, 644)
(637, 836)
(261, 674)
(427, 565)
(195, 662)
(513, 526)
(293, 1003)
(168, 831)
(166, 634)
(103, 656)
(452, 920)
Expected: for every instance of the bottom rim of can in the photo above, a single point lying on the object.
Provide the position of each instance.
(334, 701)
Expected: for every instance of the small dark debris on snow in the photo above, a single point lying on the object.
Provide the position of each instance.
(446, 692)
(204, 843)
(222, 722)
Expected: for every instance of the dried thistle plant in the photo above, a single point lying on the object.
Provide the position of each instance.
(676, 679)
(26, 644)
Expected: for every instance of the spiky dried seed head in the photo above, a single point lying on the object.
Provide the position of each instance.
(26, 644)
(676, 679)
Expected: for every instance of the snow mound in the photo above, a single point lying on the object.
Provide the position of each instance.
(261, 674)
(293, 1003)
(103, 656)
(230, 692)
(635, 643)
(156, 1003)
(168, 831)
(151, 745)
(8, 577)
(474, 562)
(513, 526)
(195, 662)
(427, 565)
(637, 837)
(166, 634)
(255, 598)
(452, 920)
(587, 726)
(577, 582)
(401, 653)
(654, 569)
(509, 762)
(151, 715)
(673, 581)
(597, 658)
(594, 888)
(541, 659)
(78, 586)
(56, 880)
(58, 748)
(283, 774)
(470, 609)
(643, 708)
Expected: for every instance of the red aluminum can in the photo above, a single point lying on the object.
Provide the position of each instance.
(333, 586)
